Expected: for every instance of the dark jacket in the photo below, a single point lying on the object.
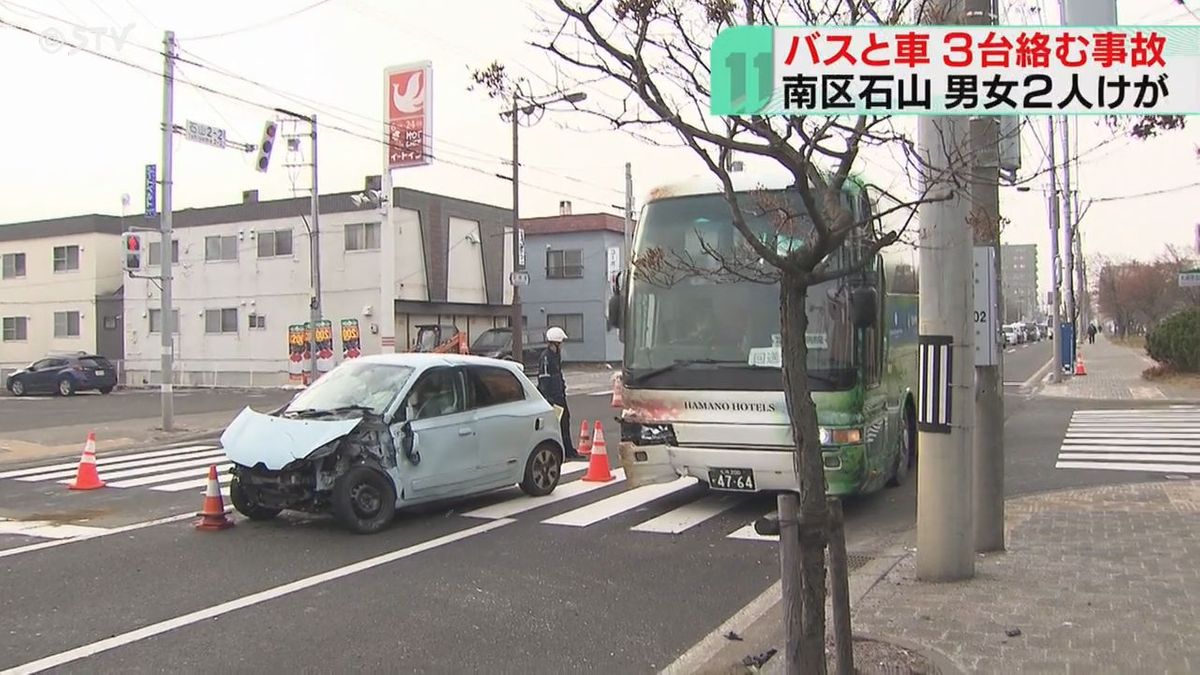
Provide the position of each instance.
(550, 380)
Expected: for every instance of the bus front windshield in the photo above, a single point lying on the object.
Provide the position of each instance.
(692, 325)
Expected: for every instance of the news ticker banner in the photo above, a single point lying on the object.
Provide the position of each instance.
(956, 70)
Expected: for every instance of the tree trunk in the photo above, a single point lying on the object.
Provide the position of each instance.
(806, 652)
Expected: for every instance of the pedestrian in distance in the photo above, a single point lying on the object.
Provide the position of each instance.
(553, 387)
(1091, 333)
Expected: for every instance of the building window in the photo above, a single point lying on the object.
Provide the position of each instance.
(15, 328)
(14, 265)
(156, 321)
(273, 243)
(220, 320)
(258, 321)
(154, 252)
(567, 264)
(220, 248)
(362, 236)
(66, 324)
(572, 325)
(66, 258)
(110, 323)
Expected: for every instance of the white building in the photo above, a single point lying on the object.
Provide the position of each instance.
(242, 277)
(60, 288)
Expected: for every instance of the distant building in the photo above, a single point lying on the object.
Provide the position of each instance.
(242, 279)
(60, 288)
(571, 259)
(1020, 282)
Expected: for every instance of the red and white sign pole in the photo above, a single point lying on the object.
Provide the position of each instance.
(407, 98)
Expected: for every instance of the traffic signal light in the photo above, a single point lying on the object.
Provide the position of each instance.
(132, 243)
(264, 148)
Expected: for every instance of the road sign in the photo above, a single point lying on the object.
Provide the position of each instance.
(520, 278)
(151, 208)
(1190, 278)
(521, 247)
(203, 133)
(983, 319)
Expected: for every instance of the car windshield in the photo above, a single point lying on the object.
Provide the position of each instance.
(493, 339)
(372, 386)
(688, 317)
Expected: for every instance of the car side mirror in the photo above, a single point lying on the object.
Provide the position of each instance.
(864, 306)
(406, 443)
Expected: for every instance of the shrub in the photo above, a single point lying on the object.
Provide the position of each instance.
(1175, 341)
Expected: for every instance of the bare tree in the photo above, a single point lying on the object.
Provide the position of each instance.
(657, 52)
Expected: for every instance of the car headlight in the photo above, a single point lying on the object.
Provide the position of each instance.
(840, 436)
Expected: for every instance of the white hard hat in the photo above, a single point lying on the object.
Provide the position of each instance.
(555, 334)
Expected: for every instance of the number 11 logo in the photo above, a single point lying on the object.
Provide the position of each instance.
(742, 66)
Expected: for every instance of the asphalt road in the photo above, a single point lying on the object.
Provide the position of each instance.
(449, 588)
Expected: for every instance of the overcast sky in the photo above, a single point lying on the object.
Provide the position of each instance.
(78, 129)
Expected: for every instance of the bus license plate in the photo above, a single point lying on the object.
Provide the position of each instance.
(731, 479)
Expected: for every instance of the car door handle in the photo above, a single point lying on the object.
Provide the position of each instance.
(466, 431)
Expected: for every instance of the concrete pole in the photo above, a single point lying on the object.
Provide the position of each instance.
(315, 252)
(1055, 262)
(167, 363)
(945, 549)
(628, 213)
(387, 263)
(518, 327)
(1069, 237)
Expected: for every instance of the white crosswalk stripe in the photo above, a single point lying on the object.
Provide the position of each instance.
(667, 509)
(1151, 440)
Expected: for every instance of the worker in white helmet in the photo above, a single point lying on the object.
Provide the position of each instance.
(553, 387)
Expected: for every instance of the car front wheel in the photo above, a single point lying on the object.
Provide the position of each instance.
(364, 500)
(246, 505)
(542, 471)
(17, 388)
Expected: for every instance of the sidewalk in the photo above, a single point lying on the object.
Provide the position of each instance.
(1095, 580)
(1114, 372)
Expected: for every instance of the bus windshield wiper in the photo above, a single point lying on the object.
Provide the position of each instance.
(683, 363)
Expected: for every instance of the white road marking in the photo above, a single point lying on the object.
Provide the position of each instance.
(689, 515)
(102, 460)
(620, 503)
(145, 470)
(111, 470)
(198, 473)
(1132, 456)
(5, 553)
(747, 533)
(525, 503)
(1121, 466)
(45, 529)
(260, 597)
(1099, 447)
(1109, 440)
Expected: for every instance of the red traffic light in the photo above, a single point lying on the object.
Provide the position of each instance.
(133, 243)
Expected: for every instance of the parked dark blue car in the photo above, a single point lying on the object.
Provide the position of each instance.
(64, 375)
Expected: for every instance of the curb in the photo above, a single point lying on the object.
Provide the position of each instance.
(1035, 383)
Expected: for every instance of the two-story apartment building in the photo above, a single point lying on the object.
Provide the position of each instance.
(242, 279)
(571, 259)
(60, 288)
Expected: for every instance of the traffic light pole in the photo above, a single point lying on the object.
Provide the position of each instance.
(168, 320)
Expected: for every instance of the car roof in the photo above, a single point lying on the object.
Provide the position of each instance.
(423, 361)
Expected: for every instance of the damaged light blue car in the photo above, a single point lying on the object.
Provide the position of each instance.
(383, 432)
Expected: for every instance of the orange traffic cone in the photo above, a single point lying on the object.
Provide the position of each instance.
(585, 439)
(598, 470)
(618, 398)
(1079, 369)
(86, 477)
(212, 515)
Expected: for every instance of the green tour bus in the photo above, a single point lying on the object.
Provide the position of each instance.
(701, 384)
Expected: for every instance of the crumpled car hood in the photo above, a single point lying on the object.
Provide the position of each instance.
(253, 438)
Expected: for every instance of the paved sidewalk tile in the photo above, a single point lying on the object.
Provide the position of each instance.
(1113, 373)
(1103, 580)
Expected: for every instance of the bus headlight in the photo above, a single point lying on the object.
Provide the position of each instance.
(851, 436)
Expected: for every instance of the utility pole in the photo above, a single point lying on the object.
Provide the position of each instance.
(1055, 272)
(315, 239)
(987, 481)
(517, 323)
(168, 323)
(387, 264)
(628, 212)
(945, 549)
(1069, 238)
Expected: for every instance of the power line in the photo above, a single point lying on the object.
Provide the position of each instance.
(261, 24)
(1151, 193)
